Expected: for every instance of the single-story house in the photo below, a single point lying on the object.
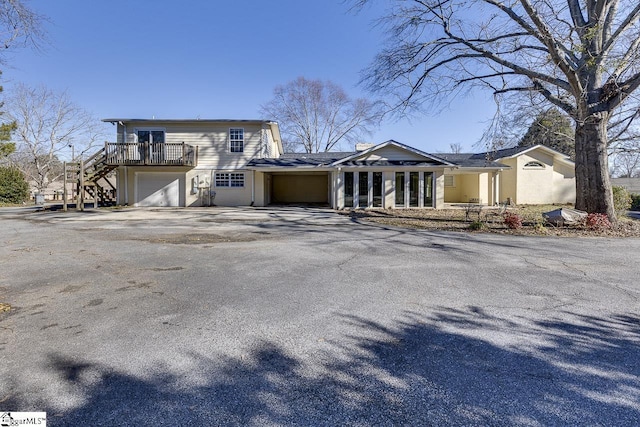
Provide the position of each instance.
(241, 162)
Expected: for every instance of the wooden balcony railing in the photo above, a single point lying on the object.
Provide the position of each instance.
(150, 154)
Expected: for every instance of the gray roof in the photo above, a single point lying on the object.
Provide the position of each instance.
(463, 160)
(127, 120)
(301, 159)
(472, 160)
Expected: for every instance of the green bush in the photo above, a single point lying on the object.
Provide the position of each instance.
(13, 187)
(477, 225)
(635, 202)
(621, 199)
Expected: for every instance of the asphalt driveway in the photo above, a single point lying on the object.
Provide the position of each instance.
(301, 316)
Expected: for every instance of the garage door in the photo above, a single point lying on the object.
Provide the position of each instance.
(290, 188)
(158, 189)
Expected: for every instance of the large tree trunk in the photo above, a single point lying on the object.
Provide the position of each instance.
(593, 186)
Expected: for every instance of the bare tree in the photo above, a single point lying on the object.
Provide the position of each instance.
(581, 56)
(625, 164)
(455, 147)
(19, 25)
(317, 116)
(47, 124)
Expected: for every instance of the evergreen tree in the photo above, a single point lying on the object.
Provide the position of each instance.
(552, 129)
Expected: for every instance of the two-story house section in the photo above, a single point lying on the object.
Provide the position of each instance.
(190, 162)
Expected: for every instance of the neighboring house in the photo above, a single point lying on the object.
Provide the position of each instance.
(240, 162)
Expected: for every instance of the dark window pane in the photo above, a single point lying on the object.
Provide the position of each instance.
(348, 189)
(363, 190)
(399, 188)
(377, 189)
(428, 189)
(414, 189)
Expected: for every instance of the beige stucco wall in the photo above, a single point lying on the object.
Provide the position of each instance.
(535, 185)
(466, 187)
(555, 183)
(509, 181)
(564, 183)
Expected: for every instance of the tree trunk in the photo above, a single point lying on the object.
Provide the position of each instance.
(593, 186)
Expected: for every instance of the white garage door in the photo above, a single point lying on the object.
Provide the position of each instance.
(158, 189)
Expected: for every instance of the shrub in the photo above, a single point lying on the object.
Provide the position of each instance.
(598, 222)
(13, 187)
(621, 199)
(512, 220)
(477, 225)
(635, 202)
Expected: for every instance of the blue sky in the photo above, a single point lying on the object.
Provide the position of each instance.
(218, 59)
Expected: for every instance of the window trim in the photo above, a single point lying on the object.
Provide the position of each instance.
(534, 164)
(149, 129)
(227, 179)
(232, 141)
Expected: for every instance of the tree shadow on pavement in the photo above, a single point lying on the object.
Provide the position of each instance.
(448, 367)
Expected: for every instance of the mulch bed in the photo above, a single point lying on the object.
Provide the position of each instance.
(489, 221)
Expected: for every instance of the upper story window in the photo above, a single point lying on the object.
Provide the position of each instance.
(236, 140)
(534, 165)
(151, 136)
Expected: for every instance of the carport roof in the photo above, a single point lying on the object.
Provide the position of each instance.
(301, 160)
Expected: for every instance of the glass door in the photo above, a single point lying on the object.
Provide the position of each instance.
(363, 190)
(377, 189)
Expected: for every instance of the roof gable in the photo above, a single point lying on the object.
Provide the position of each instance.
(511, 153)
(395, 151)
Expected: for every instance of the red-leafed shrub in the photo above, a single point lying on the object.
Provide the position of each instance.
(598, 221)
(512, 220)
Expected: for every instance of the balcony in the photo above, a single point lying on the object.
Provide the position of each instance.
(150, 154)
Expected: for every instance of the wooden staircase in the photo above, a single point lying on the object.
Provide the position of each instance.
(92, 183)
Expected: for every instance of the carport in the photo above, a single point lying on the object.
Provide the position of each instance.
(299, 188)
(296, 179)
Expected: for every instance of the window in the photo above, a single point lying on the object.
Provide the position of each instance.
(428, 189)
(236, 140)
(363, 189)
(377, 189)
(348, 189)
(534, 165)
(414, 189)
(399, 188)
(449, 181)
(229, 180)
(151, 145)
